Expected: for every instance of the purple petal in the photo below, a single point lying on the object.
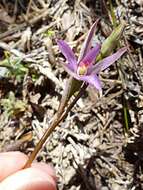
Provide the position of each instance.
(92, 80)
(87, 43)
(68, 53)
(105, 63)
(70, 71)
(90, 57)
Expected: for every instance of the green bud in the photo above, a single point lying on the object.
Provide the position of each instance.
(111, 42)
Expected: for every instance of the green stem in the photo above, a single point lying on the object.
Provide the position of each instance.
(112, 14)
(125, 107)
(6, 66)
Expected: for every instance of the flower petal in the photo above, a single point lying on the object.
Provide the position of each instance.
(92, 80)
(87, 43)
(105, 63)
(90, 56)
(70, 71)
(68, 53)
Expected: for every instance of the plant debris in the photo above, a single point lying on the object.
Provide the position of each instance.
(99, 145)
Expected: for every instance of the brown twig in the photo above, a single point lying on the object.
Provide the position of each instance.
(19, 27)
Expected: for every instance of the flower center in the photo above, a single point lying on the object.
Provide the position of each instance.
(82, 68)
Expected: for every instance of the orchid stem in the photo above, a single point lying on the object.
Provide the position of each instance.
(65, 98)
(113, 17)
(51, 128)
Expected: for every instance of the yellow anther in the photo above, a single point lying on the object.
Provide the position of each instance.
(82, 70)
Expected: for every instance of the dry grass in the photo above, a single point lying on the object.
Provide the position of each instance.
(92, 149)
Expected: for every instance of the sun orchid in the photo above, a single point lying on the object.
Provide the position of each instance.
(84, 69)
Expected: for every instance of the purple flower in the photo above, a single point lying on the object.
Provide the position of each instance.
(84, 69)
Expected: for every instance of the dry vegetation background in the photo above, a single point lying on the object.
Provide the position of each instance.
(100, 144)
